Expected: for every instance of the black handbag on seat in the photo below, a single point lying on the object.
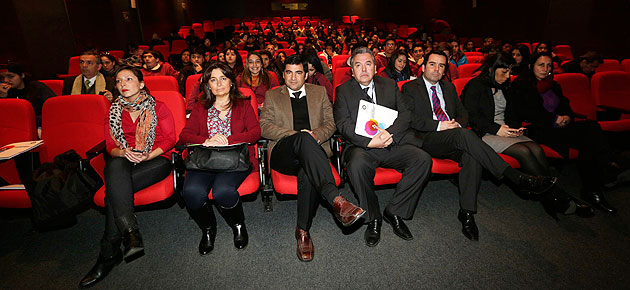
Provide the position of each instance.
(230, 158)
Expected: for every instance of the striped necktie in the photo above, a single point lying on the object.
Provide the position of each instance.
(437, 107)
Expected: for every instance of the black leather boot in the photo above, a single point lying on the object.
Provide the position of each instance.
(205, 219)
(558, 201)
(236, 219)
(132, 240)
(109, 257)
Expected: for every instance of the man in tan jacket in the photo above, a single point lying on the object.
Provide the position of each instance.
(297, 119)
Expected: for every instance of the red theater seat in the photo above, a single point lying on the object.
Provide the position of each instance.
(611, 88)
(55, 85)
(162, 189)
(17, 124)
(467, 70)
(161, 83)
(609, 65)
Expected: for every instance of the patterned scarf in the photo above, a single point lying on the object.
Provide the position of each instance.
(147, 121)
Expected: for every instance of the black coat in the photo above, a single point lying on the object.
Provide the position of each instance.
(346, 109)
(416, 95)
(478, 99)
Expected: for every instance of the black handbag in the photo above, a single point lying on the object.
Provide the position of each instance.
(231, 158)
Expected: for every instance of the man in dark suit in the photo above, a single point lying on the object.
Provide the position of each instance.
(297, 118)
(441, 119)
(392, 147)
(90, 81)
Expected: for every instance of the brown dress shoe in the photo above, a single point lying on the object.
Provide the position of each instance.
(305, 248)
(346, 212)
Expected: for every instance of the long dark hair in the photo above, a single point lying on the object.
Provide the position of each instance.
(246, 76)
(238, 64)
(390, 69)
(491, 64)
(207, 98)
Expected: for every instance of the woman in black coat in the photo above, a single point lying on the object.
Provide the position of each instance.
(540, 102)
(494, 116)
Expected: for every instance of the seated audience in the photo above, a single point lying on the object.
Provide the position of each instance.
(539, 101)
(521, 56)
(585, 64)
(133, 56)
(389, 47)
(469, 46)
(90, 81)
(110, 65)
(184, 60)
(256, 77)
(16, 84)
(220, 117)
(316, 74)
(154, 66)
(456, 56)
(545, 46)
(234, 60)
(398, 68)
(492, 116)
(140, 158)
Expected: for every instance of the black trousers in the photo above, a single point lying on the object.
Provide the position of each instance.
(122, 180)
(224, 187)
(300, 155)
(472, 154)
(589, 139)
(413, 162)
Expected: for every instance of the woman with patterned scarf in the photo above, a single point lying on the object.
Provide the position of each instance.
(139, 134)
(540, 102)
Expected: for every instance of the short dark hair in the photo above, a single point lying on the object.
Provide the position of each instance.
(297, 59)
(592, 56)
(437, 52)
(93, 52)
(155, 54)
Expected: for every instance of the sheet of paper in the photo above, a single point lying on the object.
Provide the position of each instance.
(372, 117)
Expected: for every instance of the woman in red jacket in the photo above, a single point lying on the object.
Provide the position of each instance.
(139, 134)
(220, 117)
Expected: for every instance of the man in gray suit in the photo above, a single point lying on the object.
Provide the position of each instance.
(297, 118)
(394, 147)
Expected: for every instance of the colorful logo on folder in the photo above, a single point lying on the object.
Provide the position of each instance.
(371, 127)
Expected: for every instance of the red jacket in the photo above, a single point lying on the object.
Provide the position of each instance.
(244, 127)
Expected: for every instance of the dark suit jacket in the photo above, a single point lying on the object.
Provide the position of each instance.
(479, 102)
(347, 97)
(68, 82)
(416, 95)
(276, 118)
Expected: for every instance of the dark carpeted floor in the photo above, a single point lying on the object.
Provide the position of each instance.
(520, 247)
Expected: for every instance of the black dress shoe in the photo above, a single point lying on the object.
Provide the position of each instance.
(536, 184)
(373, 233)
(469, 227)
(100, 270)
(596, 199)
(400, 228)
